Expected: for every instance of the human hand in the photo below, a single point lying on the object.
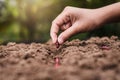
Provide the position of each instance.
(73, 20)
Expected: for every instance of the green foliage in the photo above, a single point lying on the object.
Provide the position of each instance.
(30, 20)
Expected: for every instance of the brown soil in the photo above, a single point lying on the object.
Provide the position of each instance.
(93, 59)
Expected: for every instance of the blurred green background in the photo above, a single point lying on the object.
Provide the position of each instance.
(30, 20)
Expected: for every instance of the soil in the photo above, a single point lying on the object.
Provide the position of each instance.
(92, 59)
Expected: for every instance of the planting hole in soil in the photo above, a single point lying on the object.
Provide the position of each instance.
(93, 59)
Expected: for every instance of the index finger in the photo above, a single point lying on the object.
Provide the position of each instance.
(56, 24)
(53, 33)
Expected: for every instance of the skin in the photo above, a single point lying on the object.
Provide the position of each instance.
(74, 20)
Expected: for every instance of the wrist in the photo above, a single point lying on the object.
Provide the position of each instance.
(107, 14)
(101, 16)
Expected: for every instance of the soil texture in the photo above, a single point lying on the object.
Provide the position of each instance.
(92, 59)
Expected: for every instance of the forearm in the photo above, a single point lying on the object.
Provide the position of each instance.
(109, 14)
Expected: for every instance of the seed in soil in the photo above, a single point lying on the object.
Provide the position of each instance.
(105, 47)
(57, 62)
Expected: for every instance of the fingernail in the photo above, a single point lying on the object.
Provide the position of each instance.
(60, 41)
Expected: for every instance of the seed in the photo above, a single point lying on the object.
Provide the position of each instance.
(57, 44)
(105, 47)
(57, 62)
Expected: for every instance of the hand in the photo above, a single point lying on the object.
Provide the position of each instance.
(72, 21)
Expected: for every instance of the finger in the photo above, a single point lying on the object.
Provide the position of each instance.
(53, 32)
(65, 26)
(63, 18)
(60, 20)
(68, 33)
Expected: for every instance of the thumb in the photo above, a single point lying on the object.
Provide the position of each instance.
(68, 33)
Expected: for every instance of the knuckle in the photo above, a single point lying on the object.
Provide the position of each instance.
(53, 22)
(67, 8)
